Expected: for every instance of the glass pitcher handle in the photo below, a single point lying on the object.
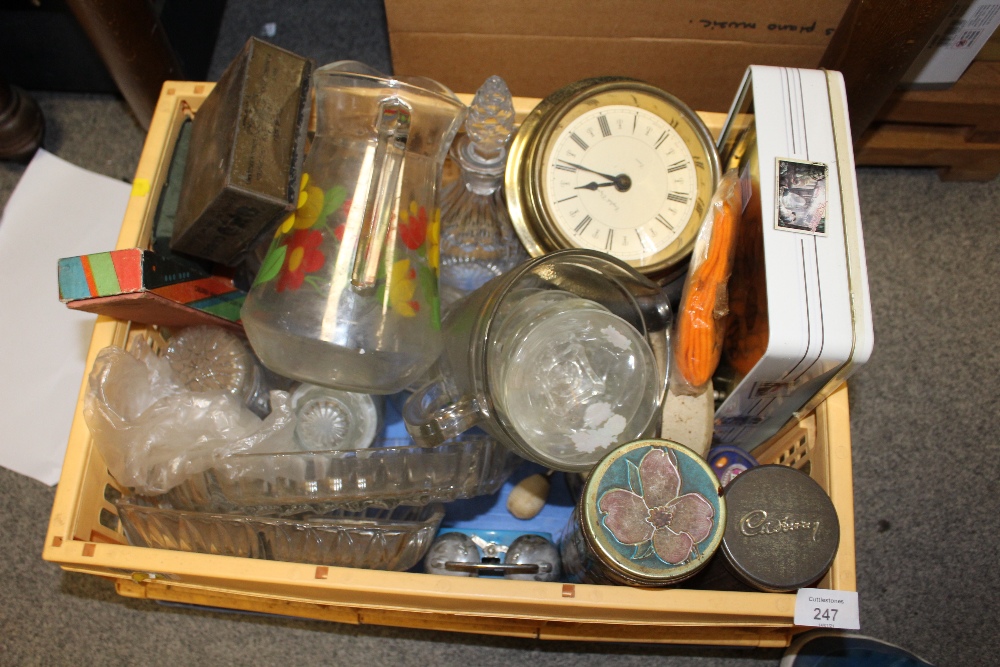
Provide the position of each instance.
(393, 130)
(432, 417)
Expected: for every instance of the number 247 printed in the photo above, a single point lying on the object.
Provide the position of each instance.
(824, 614)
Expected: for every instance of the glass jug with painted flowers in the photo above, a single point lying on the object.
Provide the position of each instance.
(347, 296)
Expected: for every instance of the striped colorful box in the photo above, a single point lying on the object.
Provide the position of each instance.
(142, 286)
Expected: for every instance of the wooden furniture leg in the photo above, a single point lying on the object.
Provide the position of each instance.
(134, 46)
(874, 45)
(21, 124)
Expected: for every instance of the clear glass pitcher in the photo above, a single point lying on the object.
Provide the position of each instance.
(347, 296)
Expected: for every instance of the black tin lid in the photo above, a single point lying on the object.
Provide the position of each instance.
(782, 530)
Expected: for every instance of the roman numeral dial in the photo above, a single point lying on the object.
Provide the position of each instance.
(627, 193)
(614, 166)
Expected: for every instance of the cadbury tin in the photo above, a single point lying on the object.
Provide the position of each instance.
(651, 514)
(782, 530)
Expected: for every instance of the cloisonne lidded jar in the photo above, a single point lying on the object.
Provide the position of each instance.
(651, 514)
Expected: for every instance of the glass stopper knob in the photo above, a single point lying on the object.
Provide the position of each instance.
(490, 122)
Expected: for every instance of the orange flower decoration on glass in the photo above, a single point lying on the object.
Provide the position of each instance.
(413, 225)
(345, 209)
(302, 256)
(294, 251)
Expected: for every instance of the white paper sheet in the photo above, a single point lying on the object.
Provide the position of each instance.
(57, 210)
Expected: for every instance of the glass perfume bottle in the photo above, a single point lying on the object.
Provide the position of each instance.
(478, 241)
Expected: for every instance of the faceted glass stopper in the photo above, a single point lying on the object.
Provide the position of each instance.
(490, 122)
(331, 419)
(209, 358)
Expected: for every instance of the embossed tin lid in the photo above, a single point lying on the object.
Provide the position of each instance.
(652, 511)
(782, 530)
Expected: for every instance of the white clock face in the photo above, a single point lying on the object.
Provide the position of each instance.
(616, 166)
(621, 180)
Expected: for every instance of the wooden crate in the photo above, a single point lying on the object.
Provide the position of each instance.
(84, 533)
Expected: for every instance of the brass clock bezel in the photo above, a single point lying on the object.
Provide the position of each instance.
(523, 178)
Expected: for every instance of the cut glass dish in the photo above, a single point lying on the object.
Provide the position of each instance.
(374, 539)
(396, 473)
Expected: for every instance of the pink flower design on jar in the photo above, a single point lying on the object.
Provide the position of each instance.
(671, 523)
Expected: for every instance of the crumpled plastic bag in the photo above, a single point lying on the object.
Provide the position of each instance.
(153, 433)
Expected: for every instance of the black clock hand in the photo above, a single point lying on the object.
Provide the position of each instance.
(621, 182)
(580, 166)
(593, 186)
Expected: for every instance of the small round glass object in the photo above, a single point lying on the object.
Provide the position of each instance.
(330, 419)
(209, 358)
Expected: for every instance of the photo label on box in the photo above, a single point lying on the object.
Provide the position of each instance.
(801, 198)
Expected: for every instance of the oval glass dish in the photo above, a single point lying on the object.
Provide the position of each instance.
(374, 539)
(395, 473)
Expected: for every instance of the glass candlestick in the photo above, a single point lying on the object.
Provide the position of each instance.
(478, 241)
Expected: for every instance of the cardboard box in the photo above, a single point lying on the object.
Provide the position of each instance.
(141, 286)
(954, 45)
(696, 50)
(991, 49)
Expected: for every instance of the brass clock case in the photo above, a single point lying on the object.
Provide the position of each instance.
(529, 164)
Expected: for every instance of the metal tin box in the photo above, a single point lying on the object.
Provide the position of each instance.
(799, 310)
(84, 533)
(651, 514)
(246, 154)
(782, 531)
